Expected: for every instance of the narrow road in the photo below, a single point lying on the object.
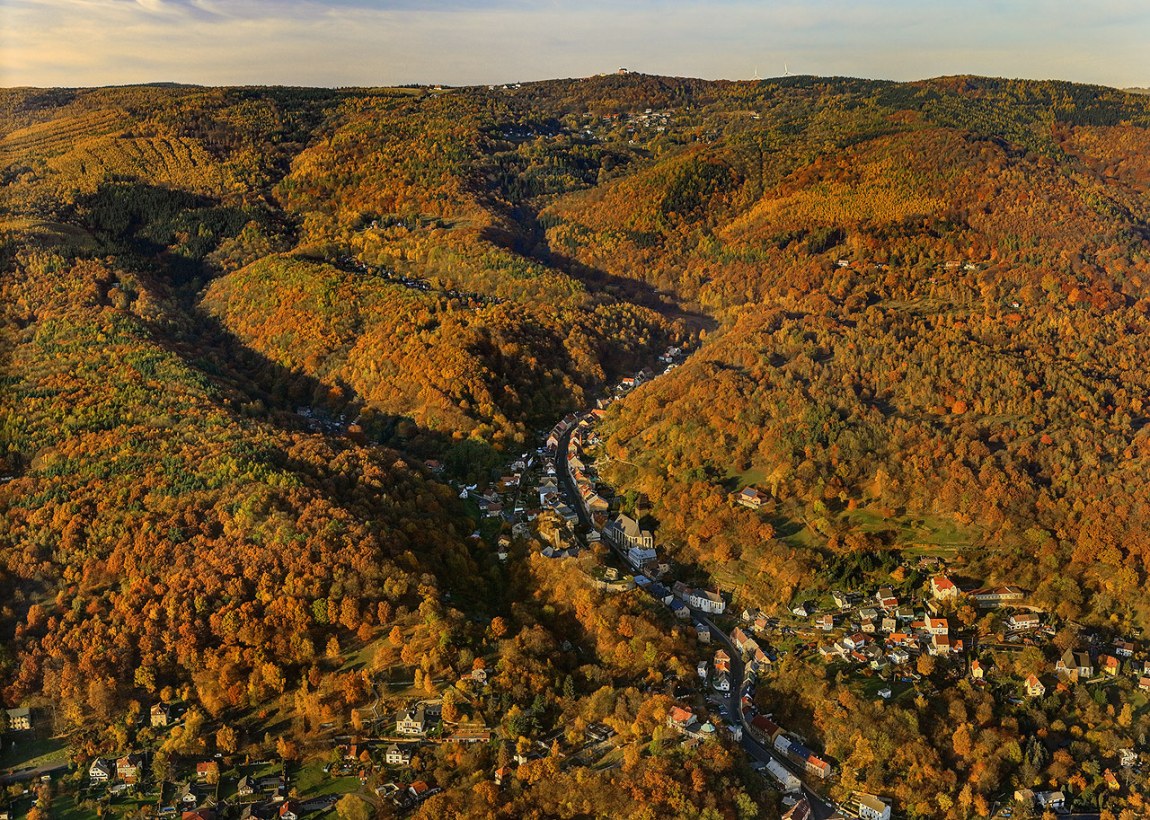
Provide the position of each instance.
(755, 750)
(33, 774)
(570, 492)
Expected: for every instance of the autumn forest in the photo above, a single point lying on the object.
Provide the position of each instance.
(278, 368)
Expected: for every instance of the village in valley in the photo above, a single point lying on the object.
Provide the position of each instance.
(900, 639)
(934, 629)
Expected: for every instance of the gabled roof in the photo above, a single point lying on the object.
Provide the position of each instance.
(870, 801)
(1075, 660)
(818, 763)
(627, 525)
(765, 725)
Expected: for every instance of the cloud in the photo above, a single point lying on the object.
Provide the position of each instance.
(378, 42)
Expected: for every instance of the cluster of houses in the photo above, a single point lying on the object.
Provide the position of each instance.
(1074, 665)
(197, 798)
(770, 734)
(595, 507)
(561, 514)
(1079, 665)
(669, 357)
(687, 723)
(636, 546)
(265, 796)
(860, 805)
(491, 502)
(559, 518)
(128, 770)
(720, 675)
(594, 126)
(413, 722)
(884, 631)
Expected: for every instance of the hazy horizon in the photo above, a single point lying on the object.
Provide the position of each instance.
(527, 80)
(372, 43)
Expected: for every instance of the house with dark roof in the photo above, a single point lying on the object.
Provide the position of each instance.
(19, 719)
(625, 533)
(101, 770)
(397, 755)
(1074, 665)
(752, 498)
(412, 720)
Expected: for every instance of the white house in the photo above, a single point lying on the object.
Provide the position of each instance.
(412, 721)
(706, 601)
(937, 626)
(638, 556)
(101, 770)
(872, 808)
(397, 755)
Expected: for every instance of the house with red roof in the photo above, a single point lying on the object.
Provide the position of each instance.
(942, 588)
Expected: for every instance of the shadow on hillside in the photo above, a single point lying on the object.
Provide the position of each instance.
(248, 384)
(533, 244)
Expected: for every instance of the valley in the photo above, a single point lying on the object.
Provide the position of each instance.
(405, 451)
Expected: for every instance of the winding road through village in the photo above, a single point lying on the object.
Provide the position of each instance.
(757, 752)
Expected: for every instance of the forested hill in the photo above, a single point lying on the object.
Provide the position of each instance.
(935, 307)
(235, 322)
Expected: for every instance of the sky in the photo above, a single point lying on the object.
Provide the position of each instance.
(464, 42)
